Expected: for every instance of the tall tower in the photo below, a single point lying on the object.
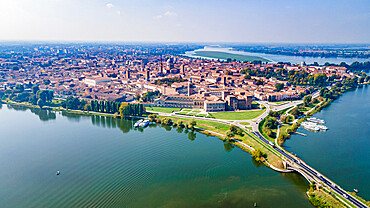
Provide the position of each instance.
(223, 80)
(128, 74)
(190, 88)
(160, 66)
(147, 75)
(182, 69)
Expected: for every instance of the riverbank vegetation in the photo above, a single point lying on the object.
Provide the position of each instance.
(269, 126)
(321, 198)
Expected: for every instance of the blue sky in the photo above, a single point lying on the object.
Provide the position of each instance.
(292, 21)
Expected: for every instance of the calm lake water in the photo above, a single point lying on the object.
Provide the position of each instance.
(279, 58)
(342, 153)
(104, 162)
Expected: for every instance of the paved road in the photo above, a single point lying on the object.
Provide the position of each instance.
(304, 167)
(313, 173)
(294, 103)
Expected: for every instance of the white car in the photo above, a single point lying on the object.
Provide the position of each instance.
(345, 196)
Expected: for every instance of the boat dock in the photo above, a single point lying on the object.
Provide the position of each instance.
(302, 134)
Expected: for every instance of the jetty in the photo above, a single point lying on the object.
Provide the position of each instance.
(302, 134)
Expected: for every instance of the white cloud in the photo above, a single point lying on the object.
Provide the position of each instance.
(169, 14)
(166, 14)
(109, 6)
(118, 13)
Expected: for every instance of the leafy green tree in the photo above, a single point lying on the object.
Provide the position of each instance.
(295, 112)
(279, 87)
(167, 121)
(258, 155)
(49, 95)
(46, 82)
(233, 128)
(247, 76)
(137, 97)
(124, 110)
(33, 99)
(22, 97)
(271, 123)
(307, 100)
(35, 88)
(40, 102)
(152, 117)
(319, 79)
(191, 124)
(19, 88)
(228, 135)
(180, 124)
(43, 95)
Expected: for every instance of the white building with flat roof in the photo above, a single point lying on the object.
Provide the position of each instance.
(93, 81)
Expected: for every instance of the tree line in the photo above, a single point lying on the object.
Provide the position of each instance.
(168, 81)
(35, 96)
(124, 109)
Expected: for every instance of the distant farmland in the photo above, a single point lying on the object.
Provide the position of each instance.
(224, 55)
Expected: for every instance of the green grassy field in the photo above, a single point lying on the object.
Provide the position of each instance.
(162, 109)
(224, 55)
(244, 123)
(284, 128)
(240, 115)
(280, 102)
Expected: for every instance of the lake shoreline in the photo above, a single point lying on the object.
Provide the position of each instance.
(200, 130)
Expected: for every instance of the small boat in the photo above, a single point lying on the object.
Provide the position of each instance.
(316, 120)
(322, 127)
(144, 123)
(310, 126)
(58, 172)
(138, 123)
(355, 190)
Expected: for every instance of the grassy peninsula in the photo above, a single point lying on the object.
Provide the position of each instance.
(231, 56)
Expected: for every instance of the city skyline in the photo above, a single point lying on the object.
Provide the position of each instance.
(190, 21)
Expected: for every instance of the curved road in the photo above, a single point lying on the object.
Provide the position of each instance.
(307, 169)
(313, 173)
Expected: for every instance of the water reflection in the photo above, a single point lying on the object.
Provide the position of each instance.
(109, 122)
(179, 130)
(43, 114)
(297, 179)
(257, 163)
(192, 135)
(228, 147)
(73, 116)
(17, 107)
(168, 128)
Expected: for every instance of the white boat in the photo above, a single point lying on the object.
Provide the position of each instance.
(322, 127)
(58, 172)
(137, 124)
(316, 120)
(144, 123)
(310, 126)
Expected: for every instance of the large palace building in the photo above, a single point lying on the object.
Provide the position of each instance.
(209, 101)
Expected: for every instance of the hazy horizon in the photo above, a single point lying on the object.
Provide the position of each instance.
(204, 21)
